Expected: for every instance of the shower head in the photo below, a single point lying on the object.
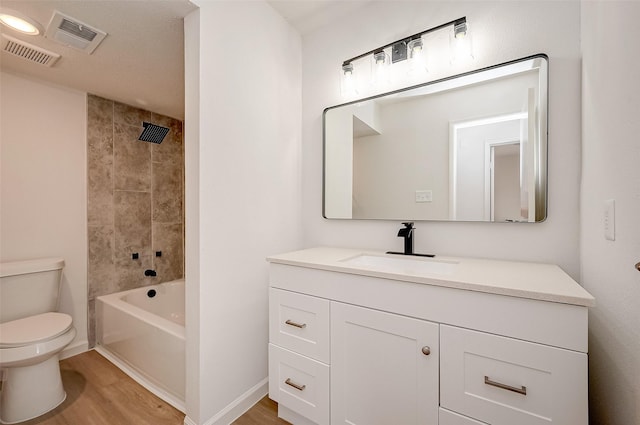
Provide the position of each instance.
(153, 133)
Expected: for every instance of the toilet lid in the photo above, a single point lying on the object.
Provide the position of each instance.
(33, 329)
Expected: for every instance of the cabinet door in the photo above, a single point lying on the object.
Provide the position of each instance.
(384, 368)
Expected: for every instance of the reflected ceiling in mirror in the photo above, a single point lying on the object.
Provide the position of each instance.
(472, 147)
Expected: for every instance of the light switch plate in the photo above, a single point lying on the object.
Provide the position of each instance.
(424, 196)
(610, 220)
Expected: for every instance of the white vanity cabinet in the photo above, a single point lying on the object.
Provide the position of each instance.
(487, 343)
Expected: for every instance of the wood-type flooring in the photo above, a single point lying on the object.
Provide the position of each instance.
(98, 393)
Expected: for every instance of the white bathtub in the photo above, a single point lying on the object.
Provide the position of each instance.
(142, 332)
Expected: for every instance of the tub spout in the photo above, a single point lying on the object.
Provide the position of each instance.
(151, 273)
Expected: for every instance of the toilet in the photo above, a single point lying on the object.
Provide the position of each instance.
(32, 335)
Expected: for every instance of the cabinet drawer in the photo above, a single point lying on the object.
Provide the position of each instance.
(503, 381)
(299, 323)
(299, 383)
(447, 417)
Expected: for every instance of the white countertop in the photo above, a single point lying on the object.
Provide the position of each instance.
(545, 282)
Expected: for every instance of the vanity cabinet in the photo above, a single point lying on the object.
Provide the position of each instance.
(359, 347)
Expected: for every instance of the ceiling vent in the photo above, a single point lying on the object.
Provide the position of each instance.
(73, 33)
(28, 51)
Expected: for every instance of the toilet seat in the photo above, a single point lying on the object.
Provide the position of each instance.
(34, 329)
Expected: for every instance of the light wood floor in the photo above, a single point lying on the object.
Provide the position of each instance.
(98, 393)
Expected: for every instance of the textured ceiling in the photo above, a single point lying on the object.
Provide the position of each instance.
(309, 15)
(141, 61)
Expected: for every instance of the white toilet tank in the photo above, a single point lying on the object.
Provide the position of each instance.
(29, 287)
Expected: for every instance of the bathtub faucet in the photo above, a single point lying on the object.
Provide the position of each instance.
(151, 273)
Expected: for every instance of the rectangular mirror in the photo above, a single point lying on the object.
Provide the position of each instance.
(472, 147)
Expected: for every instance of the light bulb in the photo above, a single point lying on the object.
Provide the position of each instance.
(380, 73)
(461, 43)
(348, 84)
(23, 24)
(460, 29)
(417, 58)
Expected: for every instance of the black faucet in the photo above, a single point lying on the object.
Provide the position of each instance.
(151, 273)
(407, 233)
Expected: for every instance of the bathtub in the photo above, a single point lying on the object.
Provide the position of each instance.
(142, 332)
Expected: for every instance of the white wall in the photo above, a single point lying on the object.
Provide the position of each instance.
(243, 193)
(502, 31)
(611, 170)
(43, 185)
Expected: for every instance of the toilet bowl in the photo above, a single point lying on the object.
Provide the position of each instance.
(29, 351)
(32, 335)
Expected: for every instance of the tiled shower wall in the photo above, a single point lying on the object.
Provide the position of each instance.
(135, 201)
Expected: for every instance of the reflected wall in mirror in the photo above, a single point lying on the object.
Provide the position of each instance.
(472, 147)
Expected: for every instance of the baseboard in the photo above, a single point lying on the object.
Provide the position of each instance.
(75, 349)
(238, 407)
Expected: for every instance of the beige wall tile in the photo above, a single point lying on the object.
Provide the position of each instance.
(130, 115)
(132, 159)
(100, 175)
(101, 267)
(132, 220)
(130, 273)
(169, 239)
(167, 192)
(91, 328)
(99, 112)
(171, 149)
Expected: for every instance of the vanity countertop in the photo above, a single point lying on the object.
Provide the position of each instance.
(537, 281)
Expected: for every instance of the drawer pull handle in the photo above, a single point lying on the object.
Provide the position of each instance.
(522, 390)
(297, 325)
(294, 385)
(426, 350)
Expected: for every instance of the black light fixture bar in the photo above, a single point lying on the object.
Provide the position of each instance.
(453, 23)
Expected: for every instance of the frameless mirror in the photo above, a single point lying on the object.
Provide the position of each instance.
(472, 147)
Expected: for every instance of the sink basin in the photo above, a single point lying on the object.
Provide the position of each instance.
(402, 264)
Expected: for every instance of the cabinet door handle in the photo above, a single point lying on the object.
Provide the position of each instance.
(297, 325)
(294, 385)
(522, 390)
(426, 350)
(638, 266)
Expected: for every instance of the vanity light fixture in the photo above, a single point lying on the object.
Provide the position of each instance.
(410, 48)
(19, 22)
